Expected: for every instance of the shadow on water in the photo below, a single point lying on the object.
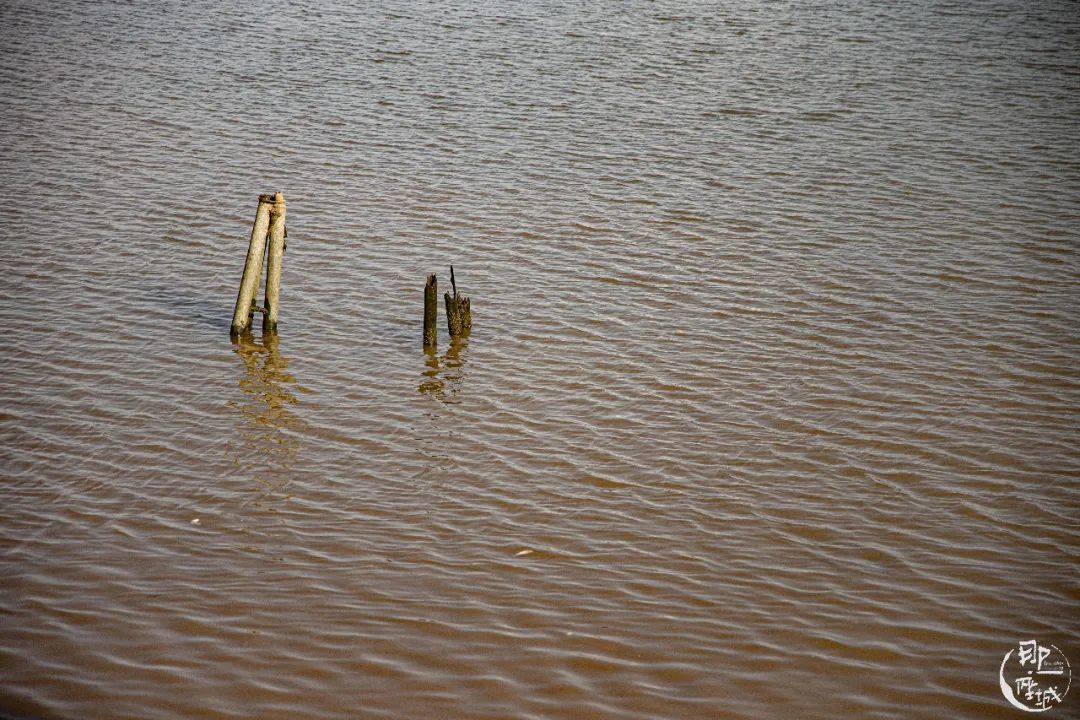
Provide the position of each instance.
(267, 443)
(207, 314)
(444, 376)
(189, 305)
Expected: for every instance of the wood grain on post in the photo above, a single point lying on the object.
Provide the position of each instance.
(431, 310)
(274, 250)
(249, 283)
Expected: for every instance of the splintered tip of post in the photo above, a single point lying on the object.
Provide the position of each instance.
(266, 198)
(453, 282)
(431, 279)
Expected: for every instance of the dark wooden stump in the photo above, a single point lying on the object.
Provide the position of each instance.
(431, 310)
(458, 310)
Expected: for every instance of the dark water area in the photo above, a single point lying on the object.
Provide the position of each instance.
(770, 407)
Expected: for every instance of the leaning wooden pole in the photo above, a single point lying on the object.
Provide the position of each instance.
(249, 283)
(274, 250)
(431, 310)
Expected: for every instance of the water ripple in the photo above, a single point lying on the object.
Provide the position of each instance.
(769, 407)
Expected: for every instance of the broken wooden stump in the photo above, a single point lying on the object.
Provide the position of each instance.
(458, 310)
(458, 315)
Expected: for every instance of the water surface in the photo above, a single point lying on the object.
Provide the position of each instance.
(769, 409)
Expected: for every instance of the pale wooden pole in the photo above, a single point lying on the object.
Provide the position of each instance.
(249, 283)
(275, 249)
(431, 310)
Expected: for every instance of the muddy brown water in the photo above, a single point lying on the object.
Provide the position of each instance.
(769, 409)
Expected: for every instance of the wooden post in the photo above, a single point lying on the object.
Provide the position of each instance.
(249, 283)
(274, 250)
(431, 310)
(458, 315)
(458, 310)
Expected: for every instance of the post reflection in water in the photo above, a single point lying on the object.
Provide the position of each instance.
(266, 443)
(444, 375)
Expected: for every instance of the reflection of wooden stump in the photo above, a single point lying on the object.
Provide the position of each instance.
(431, 310)
(458, 310)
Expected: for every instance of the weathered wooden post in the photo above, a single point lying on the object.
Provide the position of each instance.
(458, 310)
(274, 250)
(431, 310)
(249, 283)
